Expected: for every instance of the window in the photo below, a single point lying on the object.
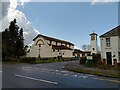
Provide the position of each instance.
(53, 50)
(119, 56)
(50, 42)
(69, 45)
(92, 37)
(56, 43)
(88, 54)
(83, 54)
(107, 42)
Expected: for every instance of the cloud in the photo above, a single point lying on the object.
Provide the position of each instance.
(102, 1)
(9, 12)
(23, 2)
(3, 9)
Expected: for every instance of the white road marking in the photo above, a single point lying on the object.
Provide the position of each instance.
(65, 74)
(64, 71)
(0, 71)
(82, 76)
(107, 80)
(55, 71)
(46, 81)
(74, 75)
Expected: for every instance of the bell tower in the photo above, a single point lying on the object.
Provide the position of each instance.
(93, 44)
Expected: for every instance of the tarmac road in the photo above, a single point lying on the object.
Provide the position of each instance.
(51, 75)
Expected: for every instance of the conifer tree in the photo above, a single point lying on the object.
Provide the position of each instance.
(13, 41)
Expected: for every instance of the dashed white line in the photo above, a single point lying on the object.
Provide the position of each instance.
(0, 71)
(46, 81)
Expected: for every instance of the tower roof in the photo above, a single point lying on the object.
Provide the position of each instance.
(93, 34)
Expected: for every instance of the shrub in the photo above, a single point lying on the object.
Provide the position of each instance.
(67, 59)
(101, 65)
(10, 60)
(28, 60)
(119, 65)
(82, 60)
(96, 59)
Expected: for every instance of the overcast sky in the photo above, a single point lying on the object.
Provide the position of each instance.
(70, 21)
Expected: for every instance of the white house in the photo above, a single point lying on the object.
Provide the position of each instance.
(110, 45)
(47, 47)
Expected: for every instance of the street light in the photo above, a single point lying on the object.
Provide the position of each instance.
(39, 50)
(40, 42)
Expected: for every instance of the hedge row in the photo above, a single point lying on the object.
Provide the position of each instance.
(35, 60)
(28, 60)
(10, 60)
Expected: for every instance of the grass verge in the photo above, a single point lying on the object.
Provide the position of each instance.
(112, 75)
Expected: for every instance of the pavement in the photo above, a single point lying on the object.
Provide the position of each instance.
(51, 75)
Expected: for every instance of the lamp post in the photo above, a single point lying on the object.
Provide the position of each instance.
(39, 50)
(39, 43)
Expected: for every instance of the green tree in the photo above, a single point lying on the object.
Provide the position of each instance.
(13, 41)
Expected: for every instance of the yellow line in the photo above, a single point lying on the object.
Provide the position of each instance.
(107, 80)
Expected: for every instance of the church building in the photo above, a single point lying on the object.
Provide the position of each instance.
(48, 47)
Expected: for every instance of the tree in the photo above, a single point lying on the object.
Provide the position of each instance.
(13, 41)
(85, 47)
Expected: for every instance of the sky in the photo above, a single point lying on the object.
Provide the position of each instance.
(70, 21)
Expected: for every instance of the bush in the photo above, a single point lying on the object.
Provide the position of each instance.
(82, 60)
(96, 59)
(67, 59)
(119, 65)
(10, 60)
(101, 65)
(28, 60)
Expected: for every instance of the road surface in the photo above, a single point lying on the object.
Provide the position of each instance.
(51, 75)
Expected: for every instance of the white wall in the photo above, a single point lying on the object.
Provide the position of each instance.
(113, 49)
(94, 45)
(67, 53)
(119, 49)
(46, 50)
(53, 43)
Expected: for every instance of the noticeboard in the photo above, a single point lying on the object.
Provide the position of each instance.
(89, 58)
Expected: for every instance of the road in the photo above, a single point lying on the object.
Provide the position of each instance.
(51, 75)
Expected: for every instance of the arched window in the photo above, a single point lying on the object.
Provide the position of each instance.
(40, 42)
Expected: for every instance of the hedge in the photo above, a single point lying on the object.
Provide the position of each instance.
(28, 59)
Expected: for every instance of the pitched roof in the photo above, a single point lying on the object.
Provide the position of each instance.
(61, 47)
(79, 51)
(52, 39)
(93, 33)
(114, 32)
